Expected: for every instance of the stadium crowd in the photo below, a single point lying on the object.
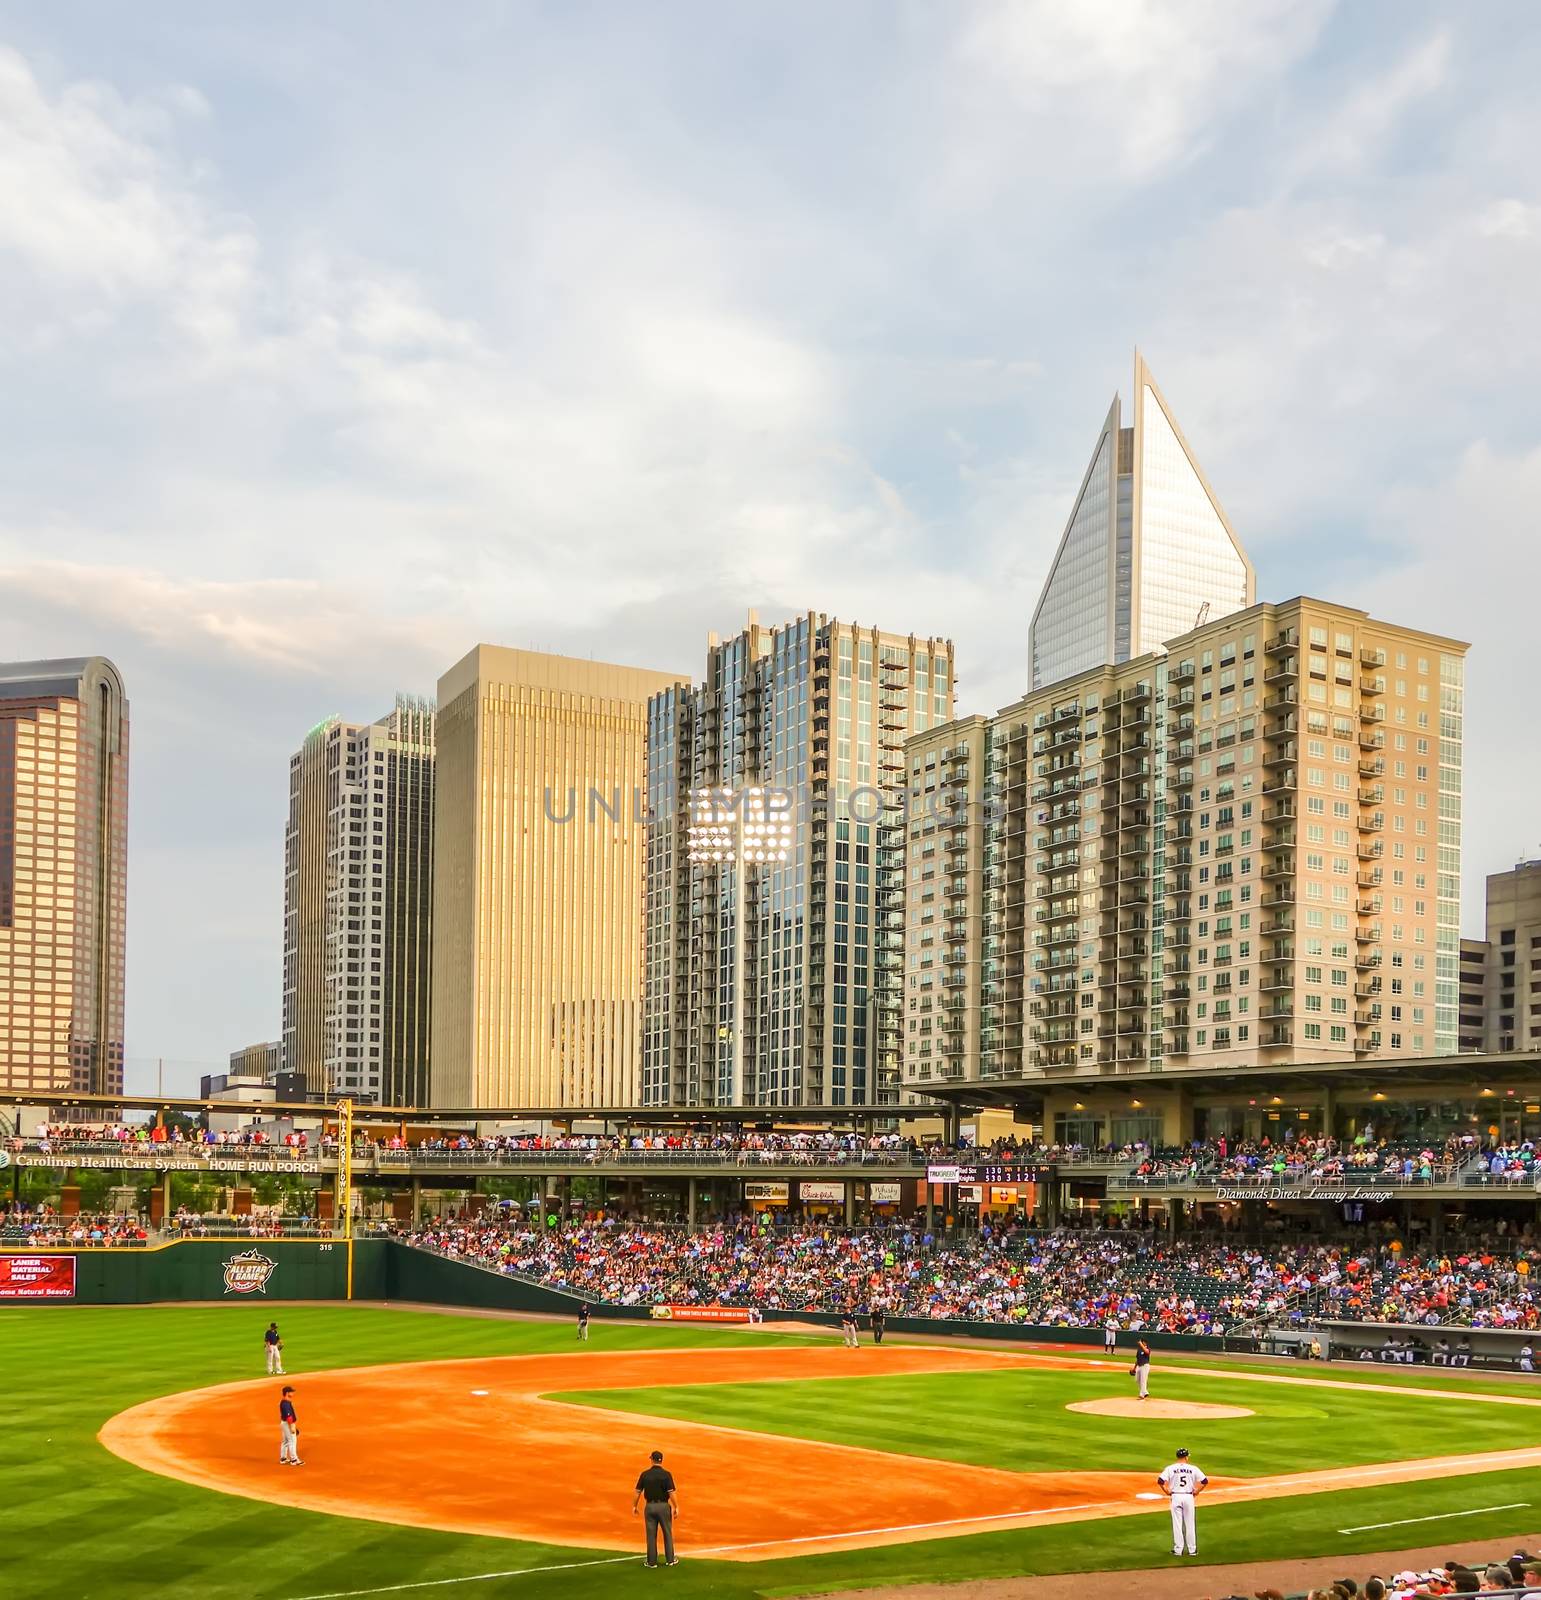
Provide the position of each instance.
(1076, 1279)
(1517, 1576)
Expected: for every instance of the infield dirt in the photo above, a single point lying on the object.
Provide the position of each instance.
(486, 1447)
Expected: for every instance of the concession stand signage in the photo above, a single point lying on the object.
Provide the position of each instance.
(776, 1193)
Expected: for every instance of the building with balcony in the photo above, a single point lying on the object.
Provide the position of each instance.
(1473, 1022)
(1244, 850)
(358, 900)
(1146, 554)
(947, 958)
(63, 875)
(775, 977)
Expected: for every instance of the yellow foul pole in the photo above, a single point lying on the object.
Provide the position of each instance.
(344, 1196)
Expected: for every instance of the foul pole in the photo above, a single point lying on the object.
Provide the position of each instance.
(344, 1196)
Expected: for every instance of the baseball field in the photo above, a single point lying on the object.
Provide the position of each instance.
(472, 1456)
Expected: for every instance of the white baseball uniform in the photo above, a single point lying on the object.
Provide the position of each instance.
(1182, 1482)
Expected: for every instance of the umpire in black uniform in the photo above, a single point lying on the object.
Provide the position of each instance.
(656, 1487)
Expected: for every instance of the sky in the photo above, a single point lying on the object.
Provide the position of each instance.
(340, 338)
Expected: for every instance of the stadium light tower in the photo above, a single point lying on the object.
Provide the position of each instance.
(739, 831)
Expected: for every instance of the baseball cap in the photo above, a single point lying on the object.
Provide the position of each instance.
(1182, 1452)
(657, 1455)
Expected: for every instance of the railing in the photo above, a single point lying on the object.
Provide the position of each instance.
(380, 1160)
(1263, 1184)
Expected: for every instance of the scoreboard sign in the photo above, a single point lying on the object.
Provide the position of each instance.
(37, 1277)
(997, 1172)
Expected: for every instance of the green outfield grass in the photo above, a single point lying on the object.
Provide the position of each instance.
(1017, 1420)
(79, 1524)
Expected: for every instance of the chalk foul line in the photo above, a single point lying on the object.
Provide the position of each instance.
(1438, 1516)
(470, 1577)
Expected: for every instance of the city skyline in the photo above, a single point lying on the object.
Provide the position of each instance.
(683, 333)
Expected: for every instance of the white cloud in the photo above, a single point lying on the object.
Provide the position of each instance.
(592, 354)
(1136, 83)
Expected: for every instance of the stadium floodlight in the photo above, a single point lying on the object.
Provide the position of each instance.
(750, 826)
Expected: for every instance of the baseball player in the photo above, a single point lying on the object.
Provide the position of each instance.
(275, 1350)
(1110, 1334)
(288, 1430)
(583, 1322)
(848, 1328)
(1182, 1483)
(1140, 1371)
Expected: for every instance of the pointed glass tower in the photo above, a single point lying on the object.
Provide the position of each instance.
(1146, 550)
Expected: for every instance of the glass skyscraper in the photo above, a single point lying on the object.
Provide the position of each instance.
(1147, 553)
(358, 891)
(774, 974)
(63, 875)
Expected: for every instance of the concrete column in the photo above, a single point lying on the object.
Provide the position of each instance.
(165, 1198)
(850, 1202)
(1329, 1112)
(930, 1209)
(417, 1202)
(690, 1205)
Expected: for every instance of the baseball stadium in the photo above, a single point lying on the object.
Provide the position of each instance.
(343, 1352)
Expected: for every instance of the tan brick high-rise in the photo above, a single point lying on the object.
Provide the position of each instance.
(63, 875)
(1245, 849)
(537, 925)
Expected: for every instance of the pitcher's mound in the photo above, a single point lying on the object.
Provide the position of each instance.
(1165, 1410)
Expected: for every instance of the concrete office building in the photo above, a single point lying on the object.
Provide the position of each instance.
(1507, 980)
(63, 875)
(1473, 1021)
(775, 865)
(1243, 851)
(358, 888)
(1146, 554)
(537, 954)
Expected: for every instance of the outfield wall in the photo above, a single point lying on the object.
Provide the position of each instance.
(201, 1269)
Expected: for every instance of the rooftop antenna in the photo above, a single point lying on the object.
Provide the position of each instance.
(1203, 616)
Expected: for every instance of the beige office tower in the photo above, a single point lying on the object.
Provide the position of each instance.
(358, 888)
(63, 875)
(946, 850)
(537, 955)
(1245, 850)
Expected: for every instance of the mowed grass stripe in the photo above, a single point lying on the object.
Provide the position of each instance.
(1016, 1419)
(82, 1525)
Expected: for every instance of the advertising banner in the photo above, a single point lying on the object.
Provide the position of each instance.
(704, 1314)
(37, 1277)
(944, 1174)
(884, 1194)
(276, 1161)
(821, 1194)
(969, 1193)
(775, 1193)
(1003, 1194)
